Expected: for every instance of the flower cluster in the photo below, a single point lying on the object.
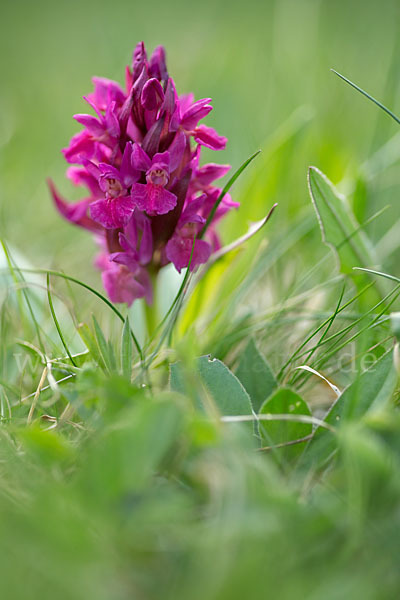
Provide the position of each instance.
(139, 157)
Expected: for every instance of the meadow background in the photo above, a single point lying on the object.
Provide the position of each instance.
(118, 491)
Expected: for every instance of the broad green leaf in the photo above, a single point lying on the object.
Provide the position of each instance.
(371, 391)
(129, 451)
(255, 375)
(221, 385)
(285, 402)
(338, 224)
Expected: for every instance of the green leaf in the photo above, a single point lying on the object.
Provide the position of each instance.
(93, 291)
(88, 339)
(56, 323)
(255, 375)
(224, 389)
(226, 189)
(126, 350)
(371, 391)
(338, 224)
(285, 402)
(102, 345)
(127, 454)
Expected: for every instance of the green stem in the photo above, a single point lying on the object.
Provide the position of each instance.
(150, 311)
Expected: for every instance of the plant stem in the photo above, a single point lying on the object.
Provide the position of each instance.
(150, 311)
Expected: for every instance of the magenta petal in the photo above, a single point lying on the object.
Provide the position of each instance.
(176, 150)
(144, 279)
(207, 136)
(195, 113)
(209, 173)
(129, 175)
(81, 146)
(185, 102)
(109, 171)
(92, 124)
(179, 249)
(112, 121)
(160, 200)
(146, 243)
(75, 213)
(162, 160)
(80, 176)
(140, 160)
(106, 91)
(112, 213)
(130, 234)
(121, 286)
(139, 60)
(152, 95)
(157, 64)
(125, 258)
(153, 199)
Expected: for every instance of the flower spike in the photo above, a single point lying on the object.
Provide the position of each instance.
(149, 201)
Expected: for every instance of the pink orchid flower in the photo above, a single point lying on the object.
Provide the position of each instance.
(148, 196)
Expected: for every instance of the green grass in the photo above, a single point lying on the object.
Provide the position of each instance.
(199, 458)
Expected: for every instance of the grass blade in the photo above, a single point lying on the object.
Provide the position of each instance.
(364, 93)
(95, 292)
(225, 190)
(56, 323)
(102, 344)
(126, 350)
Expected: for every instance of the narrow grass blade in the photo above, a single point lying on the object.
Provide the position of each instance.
(126, 350)
(56, 323)
(87, 338)
(102, 344)
(225, 190)
(253, 229)
(93, 291)
(385, 275)
(364, 93)
(13, 270)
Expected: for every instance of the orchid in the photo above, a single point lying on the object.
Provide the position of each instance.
(148, 196)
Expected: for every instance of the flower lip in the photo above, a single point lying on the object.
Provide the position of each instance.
(158, 175)
(113, 187)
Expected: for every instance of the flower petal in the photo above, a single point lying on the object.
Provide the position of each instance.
(140, 161)
(176, 150)
(81, 146)
(111, 119)
(121, 286)
(75, 213)
(80, 176)
(157, 64)
(139, 60)
(112, 213)
(206, 174)
(152, 95)
(207, 136)
(179, 249)
(106, 91)
(92, 124)
(195, 113)
(153, 199)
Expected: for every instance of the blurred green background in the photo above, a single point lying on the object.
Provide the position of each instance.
(259, 61)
